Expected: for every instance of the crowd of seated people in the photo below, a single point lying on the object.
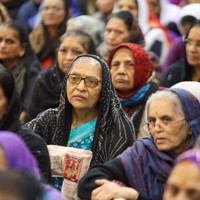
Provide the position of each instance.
(116, 78)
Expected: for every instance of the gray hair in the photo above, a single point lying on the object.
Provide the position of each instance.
(168, 95)
(91, 60)
(89, 25)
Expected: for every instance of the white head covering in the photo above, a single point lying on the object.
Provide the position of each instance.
(169, 13)
(192, 9)
(191, 86)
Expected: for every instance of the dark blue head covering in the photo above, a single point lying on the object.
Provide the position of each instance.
(191, 108)
(146, 167)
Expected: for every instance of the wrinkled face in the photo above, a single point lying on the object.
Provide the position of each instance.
(3, 104)
(193, 47)
(128, 5)
(3, 160)
(116, 33)
(122, 70)
(183, 183)
(69, 49)
(53, 12)
(169, 132)
(11, 48)
(81, 97)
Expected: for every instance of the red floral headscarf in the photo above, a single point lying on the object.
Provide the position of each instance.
(143, 65)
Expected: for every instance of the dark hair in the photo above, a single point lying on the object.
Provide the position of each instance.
(7, 82)
(20, 184)
(125, 16)
(188, 19)
(189, 69)
(22, 31)
(135, 34)
(85, 40)
(194, 24)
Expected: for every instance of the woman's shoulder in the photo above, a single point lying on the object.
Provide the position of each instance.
(140, 146)
(45, 118)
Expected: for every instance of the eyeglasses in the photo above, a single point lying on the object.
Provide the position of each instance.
(54, 9)
(194, 43)
(166, 122)
(88, 81)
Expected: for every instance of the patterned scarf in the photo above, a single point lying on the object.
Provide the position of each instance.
(136, 98)
(114, 131)
(143, 66)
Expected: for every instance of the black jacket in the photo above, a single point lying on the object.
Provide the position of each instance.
(178, 72)
(35, 143)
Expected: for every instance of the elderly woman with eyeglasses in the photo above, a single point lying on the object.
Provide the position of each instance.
(89, 115)
(141, 171)
(46, 89)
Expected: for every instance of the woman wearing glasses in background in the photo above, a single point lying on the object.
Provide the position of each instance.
(89, 115)
(47, 87)
(187, 69)
(44, 38)
(174, 124)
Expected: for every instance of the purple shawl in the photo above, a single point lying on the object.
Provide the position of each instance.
(19, 157)
(17, 153)
(192, 155)
(148, 168)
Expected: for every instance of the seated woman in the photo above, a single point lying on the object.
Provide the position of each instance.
(87, 102)
(173, 120)
(46, 90)
(9, 120)
(184, 179)
(44, 38)
(187, 15)
(15, 155)
(89, 115)
(89, 110)
(120, 27)
(17, 55)
(131, 70)
(186, 69)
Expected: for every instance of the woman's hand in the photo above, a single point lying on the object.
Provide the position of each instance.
(109, 190)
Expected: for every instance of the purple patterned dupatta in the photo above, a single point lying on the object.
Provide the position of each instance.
(148, 168)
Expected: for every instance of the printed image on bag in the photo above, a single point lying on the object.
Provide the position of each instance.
(70, 163)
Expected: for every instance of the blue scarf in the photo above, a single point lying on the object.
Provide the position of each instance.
(136, 98)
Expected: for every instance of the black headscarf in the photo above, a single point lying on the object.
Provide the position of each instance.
(114, 131)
